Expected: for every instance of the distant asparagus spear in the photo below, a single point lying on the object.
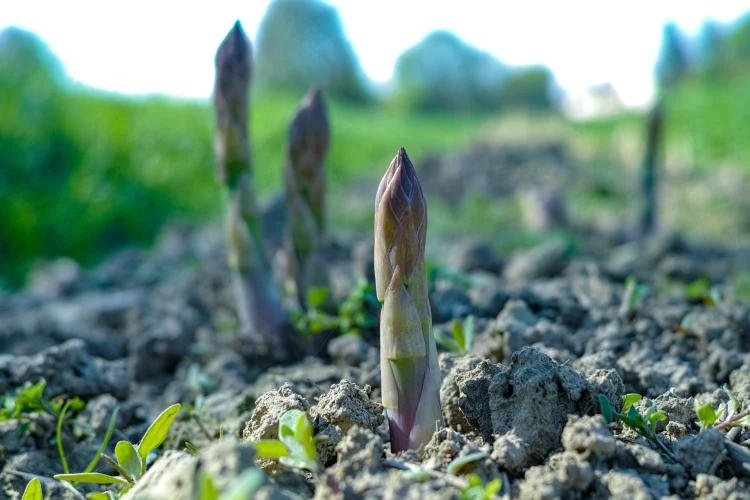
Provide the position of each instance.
(258, 301)
(650, 169)
(304, 175)
(410, 374)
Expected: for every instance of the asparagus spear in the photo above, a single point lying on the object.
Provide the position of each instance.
(258, 300)
(304, 175)
(410, 374)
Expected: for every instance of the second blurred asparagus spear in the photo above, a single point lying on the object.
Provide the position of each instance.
(304, 176)
(258, 301)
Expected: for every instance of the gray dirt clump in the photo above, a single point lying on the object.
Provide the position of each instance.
(698, 453)
(360, 454)
(473, 387)
(343, 407)
(68, 369)
(269, 408)
(589, 434)
(566, 475)
(712, 488)
(530, 401)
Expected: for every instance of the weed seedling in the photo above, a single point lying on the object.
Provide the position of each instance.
(461, 338)
(354, 314)
(725, 416)
(471, 488)
(296, 444)
(241, 488)
(131, 460)
(33, 490)
(645, 424)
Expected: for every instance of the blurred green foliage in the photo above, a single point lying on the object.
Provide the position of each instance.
(442, 72)
(301, 44)
(84, 173)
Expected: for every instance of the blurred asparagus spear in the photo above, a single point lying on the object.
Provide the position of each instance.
(258, 300)
(649, 218)
(410, 374)
(304, 176)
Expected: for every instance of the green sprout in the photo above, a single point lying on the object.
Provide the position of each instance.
(634, 295)
(131, 460)
(296, 444)
(725, 416)
(461, 338)
(241, 488)
(471, 488)
(354, 313)
(645, 424)
(33, 490)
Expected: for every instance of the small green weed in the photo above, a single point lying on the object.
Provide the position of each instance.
(296, 444)
(725, 416)
(241, 488)
(645, 424)
(33, 490)
(131, 460)
(461, 338)
(471, 488)
(356, 313)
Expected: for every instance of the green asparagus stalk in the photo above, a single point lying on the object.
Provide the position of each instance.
(304, 175)
(410, 374)
(258, 300)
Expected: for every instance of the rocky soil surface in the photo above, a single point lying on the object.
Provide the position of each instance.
(554, 330)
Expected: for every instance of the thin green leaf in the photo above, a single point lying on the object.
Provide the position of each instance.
(33, 490)
(607, 411)
(732, 399)
(446, 341)
(105, 441)
(468, 333)
(190, 447)
(296, 432)
(91, 477)
(122, 472)
(317, 296)
(655, 418)
(58, 436)
(270, 448)
(206, 488)
(129, 459)
(458, 334)
(459, 463)
(629, 400)
(244, 486)
(297, 463)
(417, 476)
(101, 495)
(156, 433)
(493, 488)
(706, 414)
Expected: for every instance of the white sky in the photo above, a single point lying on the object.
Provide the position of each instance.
(167, 47)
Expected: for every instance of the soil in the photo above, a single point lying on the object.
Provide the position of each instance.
(554, 330)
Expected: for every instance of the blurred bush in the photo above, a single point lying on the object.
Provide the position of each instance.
(672, 63)
(442, 72)
(301, 44)
(528, 88)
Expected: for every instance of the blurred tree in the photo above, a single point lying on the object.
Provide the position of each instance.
(739, 40)
(35, 154)
(528, 88)
(442, 72)
(301, 44)
(712, 56)
(672, 64)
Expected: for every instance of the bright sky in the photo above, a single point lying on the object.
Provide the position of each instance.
(167, 47)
